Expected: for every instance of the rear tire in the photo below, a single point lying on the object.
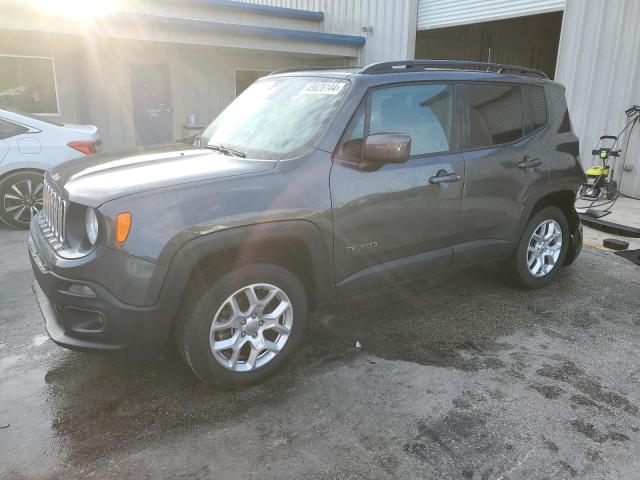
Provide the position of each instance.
(541, 250)
(20, 198)
(260, 330)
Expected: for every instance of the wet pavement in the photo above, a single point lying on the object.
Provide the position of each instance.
(471, 380)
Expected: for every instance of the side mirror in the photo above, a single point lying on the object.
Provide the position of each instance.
(387, 148)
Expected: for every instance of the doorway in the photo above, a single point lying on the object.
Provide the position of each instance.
(152, 112)
(528, 41)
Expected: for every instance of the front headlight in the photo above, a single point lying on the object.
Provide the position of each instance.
(91, 225)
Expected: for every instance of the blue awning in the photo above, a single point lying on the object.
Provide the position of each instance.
(262, 9)
(240, 29)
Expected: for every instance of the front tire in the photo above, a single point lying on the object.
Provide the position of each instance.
(20, 198)
(541, 250)
(245, 326)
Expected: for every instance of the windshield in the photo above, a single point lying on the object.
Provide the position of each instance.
(276, 118)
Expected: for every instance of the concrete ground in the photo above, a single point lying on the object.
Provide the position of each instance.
(471, 380)
(625, 211)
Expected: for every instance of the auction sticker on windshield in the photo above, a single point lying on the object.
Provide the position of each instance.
(323, 88)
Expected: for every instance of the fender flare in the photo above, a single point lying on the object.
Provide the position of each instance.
(575, 242)
(188, 256)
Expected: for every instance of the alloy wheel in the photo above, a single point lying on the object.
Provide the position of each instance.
(23, 199)
(251, 327)
(544, 248)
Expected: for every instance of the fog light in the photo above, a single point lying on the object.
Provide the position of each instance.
(83, 321)
(81, 290)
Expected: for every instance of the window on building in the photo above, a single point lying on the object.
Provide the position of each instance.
(244, 79)
(424, 112)
(495, 115)
(28, 84)
(9, 129)
(537, 104)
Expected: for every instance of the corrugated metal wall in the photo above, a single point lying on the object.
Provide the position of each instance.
(393, 23)
(447, 13)
(599, 63)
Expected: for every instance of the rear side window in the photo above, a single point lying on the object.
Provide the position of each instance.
(423, 111)
(8, 129)
(537, 105)
(495, 115)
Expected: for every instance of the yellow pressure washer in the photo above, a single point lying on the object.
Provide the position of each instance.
(601, 181)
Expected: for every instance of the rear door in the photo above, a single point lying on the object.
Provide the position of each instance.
(391, 224)
(504, 164)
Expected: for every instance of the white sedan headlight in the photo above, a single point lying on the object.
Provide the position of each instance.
(91, 225)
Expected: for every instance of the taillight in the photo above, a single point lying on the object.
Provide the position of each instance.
(85, 146)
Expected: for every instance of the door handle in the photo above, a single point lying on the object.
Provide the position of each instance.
(530, 163)
(446, 178)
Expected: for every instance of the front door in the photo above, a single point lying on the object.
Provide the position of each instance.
(151, 91)
(391, 224)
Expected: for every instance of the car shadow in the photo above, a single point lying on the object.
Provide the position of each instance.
(104, 402)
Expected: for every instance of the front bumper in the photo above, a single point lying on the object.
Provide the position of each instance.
(60, 335)
(143, 331)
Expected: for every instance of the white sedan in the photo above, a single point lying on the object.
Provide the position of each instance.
(30, 145)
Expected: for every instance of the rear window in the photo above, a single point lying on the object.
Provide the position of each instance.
(495, 115)
(9, 129)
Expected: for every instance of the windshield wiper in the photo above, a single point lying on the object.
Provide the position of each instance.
(226, 150)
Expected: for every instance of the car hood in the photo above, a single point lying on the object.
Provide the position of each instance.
(96, 179)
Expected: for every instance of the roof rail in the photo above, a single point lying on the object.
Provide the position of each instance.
(416, 65)
(312, 68)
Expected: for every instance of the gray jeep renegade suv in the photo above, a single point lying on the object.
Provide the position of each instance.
(311, 187)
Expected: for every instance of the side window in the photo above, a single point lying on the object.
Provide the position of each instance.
(8, 129)
(422, 111)
(495, 115)
(537, 105)
(353, 138)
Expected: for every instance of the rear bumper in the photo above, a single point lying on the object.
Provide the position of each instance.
(114, 325)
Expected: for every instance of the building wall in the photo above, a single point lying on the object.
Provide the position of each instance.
(93, 59)
(94, 78)
(391, 35)
(202, 81)
(139, 25)
(393, 24)
(599, 63)
(63, 52)
(527, 41)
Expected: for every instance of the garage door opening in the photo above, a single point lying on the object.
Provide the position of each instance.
(529, 41)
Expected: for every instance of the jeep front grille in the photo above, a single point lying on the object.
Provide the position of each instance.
(52, 220)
